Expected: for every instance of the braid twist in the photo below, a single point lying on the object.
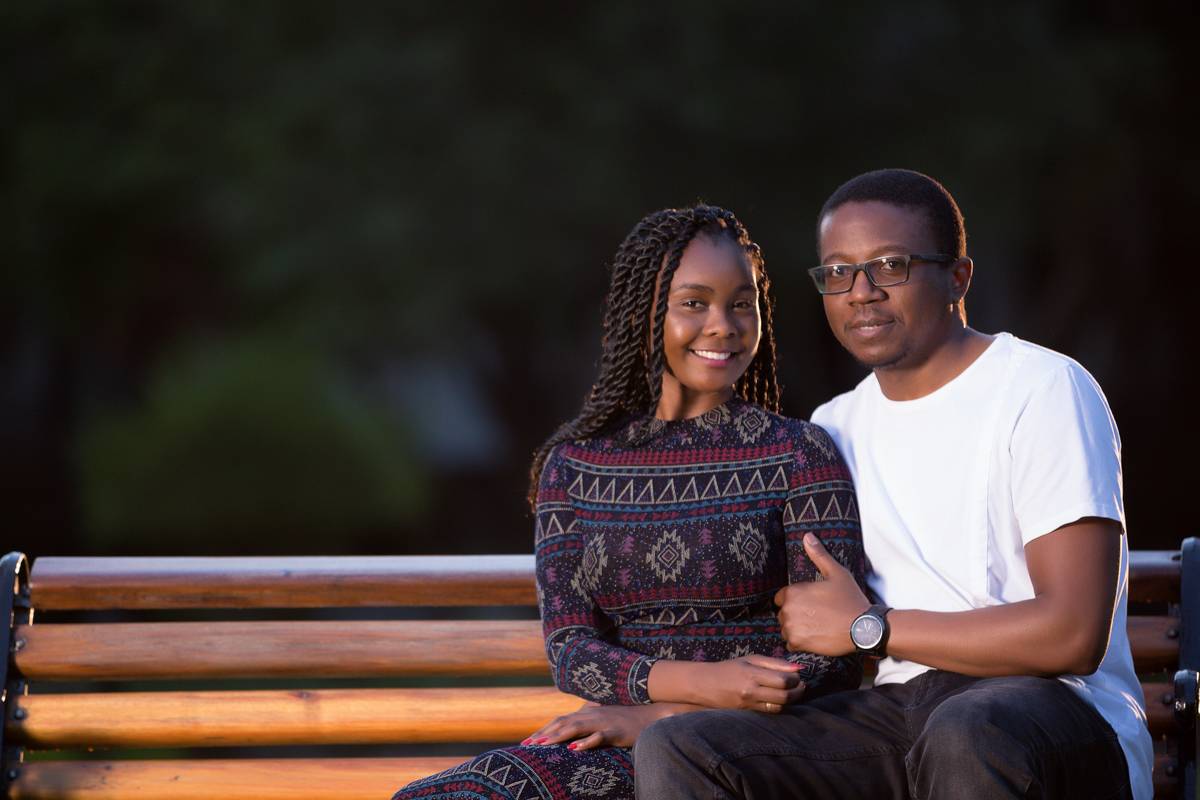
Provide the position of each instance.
(632, 361)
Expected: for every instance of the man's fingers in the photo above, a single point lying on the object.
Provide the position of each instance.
(824, 562)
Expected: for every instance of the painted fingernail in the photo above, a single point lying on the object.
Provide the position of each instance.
(527, 741)
(572, 746)
(542, 740)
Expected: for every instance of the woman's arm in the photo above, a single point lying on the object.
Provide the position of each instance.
(582, 661)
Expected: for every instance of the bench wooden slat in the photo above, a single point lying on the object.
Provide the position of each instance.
(229, 779)
(1153, 646)
(280, 649)
(335, 716)
(267, 779)
(363, 715)
(1153, 576)
(58, 583)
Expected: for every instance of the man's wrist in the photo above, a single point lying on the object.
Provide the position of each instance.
(870, 631)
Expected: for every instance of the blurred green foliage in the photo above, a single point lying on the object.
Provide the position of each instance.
(244, 446)
(330, 191)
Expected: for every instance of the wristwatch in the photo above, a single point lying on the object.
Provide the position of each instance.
(870, 630)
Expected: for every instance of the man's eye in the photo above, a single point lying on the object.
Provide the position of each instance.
(891, 264)
(837, 271)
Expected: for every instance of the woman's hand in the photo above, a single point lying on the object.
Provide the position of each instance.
(595, 725)
(757, 682)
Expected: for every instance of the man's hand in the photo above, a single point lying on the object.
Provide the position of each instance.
(816, 616)
(604, 726)
(1062, 630)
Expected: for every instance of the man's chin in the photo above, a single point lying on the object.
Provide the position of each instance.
(879, 362)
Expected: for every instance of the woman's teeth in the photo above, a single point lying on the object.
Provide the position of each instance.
(714, 355)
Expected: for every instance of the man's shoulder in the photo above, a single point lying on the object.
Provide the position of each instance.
(1034, 364)
(833, 413)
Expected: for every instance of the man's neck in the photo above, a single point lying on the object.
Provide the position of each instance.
(908, 382)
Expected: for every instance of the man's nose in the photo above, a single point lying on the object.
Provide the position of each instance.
(862, 290)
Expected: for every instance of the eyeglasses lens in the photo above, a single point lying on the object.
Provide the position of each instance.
(887, 271)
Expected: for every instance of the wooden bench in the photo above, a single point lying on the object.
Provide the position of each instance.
(170, 656)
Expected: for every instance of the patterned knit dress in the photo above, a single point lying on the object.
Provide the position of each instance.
(668, 540)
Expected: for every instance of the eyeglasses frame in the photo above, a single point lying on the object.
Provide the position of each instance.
(908, 258)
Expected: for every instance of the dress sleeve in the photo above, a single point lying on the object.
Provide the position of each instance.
(821, 500)
(583, 661)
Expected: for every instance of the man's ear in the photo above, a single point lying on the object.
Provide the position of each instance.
(960, 278)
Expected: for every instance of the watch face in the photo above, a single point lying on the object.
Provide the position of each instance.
(866, 631)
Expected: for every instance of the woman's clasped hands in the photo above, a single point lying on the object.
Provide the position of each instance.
(756, 682)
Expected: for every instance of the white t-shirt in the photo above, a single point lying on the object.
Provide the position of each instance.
(953, 485)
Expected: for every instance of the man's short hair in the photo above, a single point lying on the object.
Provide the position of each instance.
(907, 189)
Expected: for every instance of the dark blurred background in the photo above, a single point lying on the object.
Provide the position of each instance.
(300, 277)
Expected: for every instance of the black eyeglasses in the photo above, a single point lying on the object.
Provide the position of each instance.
(885, 271)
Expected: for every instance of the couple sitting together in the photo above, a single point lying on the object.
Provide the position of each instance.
(711, 574)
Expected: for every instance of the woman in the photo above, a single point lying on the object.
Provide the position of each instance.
(669, 512)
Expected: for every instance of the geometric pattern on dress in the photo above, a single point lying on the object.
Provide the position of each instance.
(711, 420)
(833, 511)
(751, 423)
(819, 439)
(626, 491)
(779, 481)
(668, 556)
(851, 513)
(592, 782)
(595, 559)
(741, 651)
(579, 583)
(749, 547)
(532, 772)
(591, 678)
(549, 528)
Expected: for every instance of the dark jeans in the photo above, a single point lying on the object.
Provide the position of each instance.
(941, 735)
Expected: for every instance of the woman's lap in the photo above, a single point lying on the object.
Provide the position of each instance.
(532, 772)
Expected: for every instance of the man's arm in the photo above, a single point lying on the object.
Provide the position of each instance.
(1062, 630)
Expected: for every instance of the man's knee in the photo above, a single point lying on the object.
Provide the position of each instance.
(1017, 736)
(667, 738)
(991, 712)
(655, 738)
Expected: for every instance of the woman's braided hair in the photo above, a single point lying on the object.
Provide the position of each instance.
(630, 382)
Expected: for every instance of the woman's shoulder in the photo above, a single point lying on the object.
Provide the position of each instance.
(799, 435)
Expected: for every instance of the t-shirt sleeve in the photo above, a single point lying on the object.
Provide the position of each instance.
(1066, 455)
(582, 660)
(821, 501)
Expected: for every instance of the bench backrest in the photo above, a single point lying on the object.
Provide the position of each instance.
(233, 655)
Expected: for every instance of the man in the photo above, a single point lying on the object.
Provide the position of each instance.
(989, 485)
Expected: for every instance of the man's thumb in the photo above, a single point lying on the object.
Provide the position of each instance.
(819, 555)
